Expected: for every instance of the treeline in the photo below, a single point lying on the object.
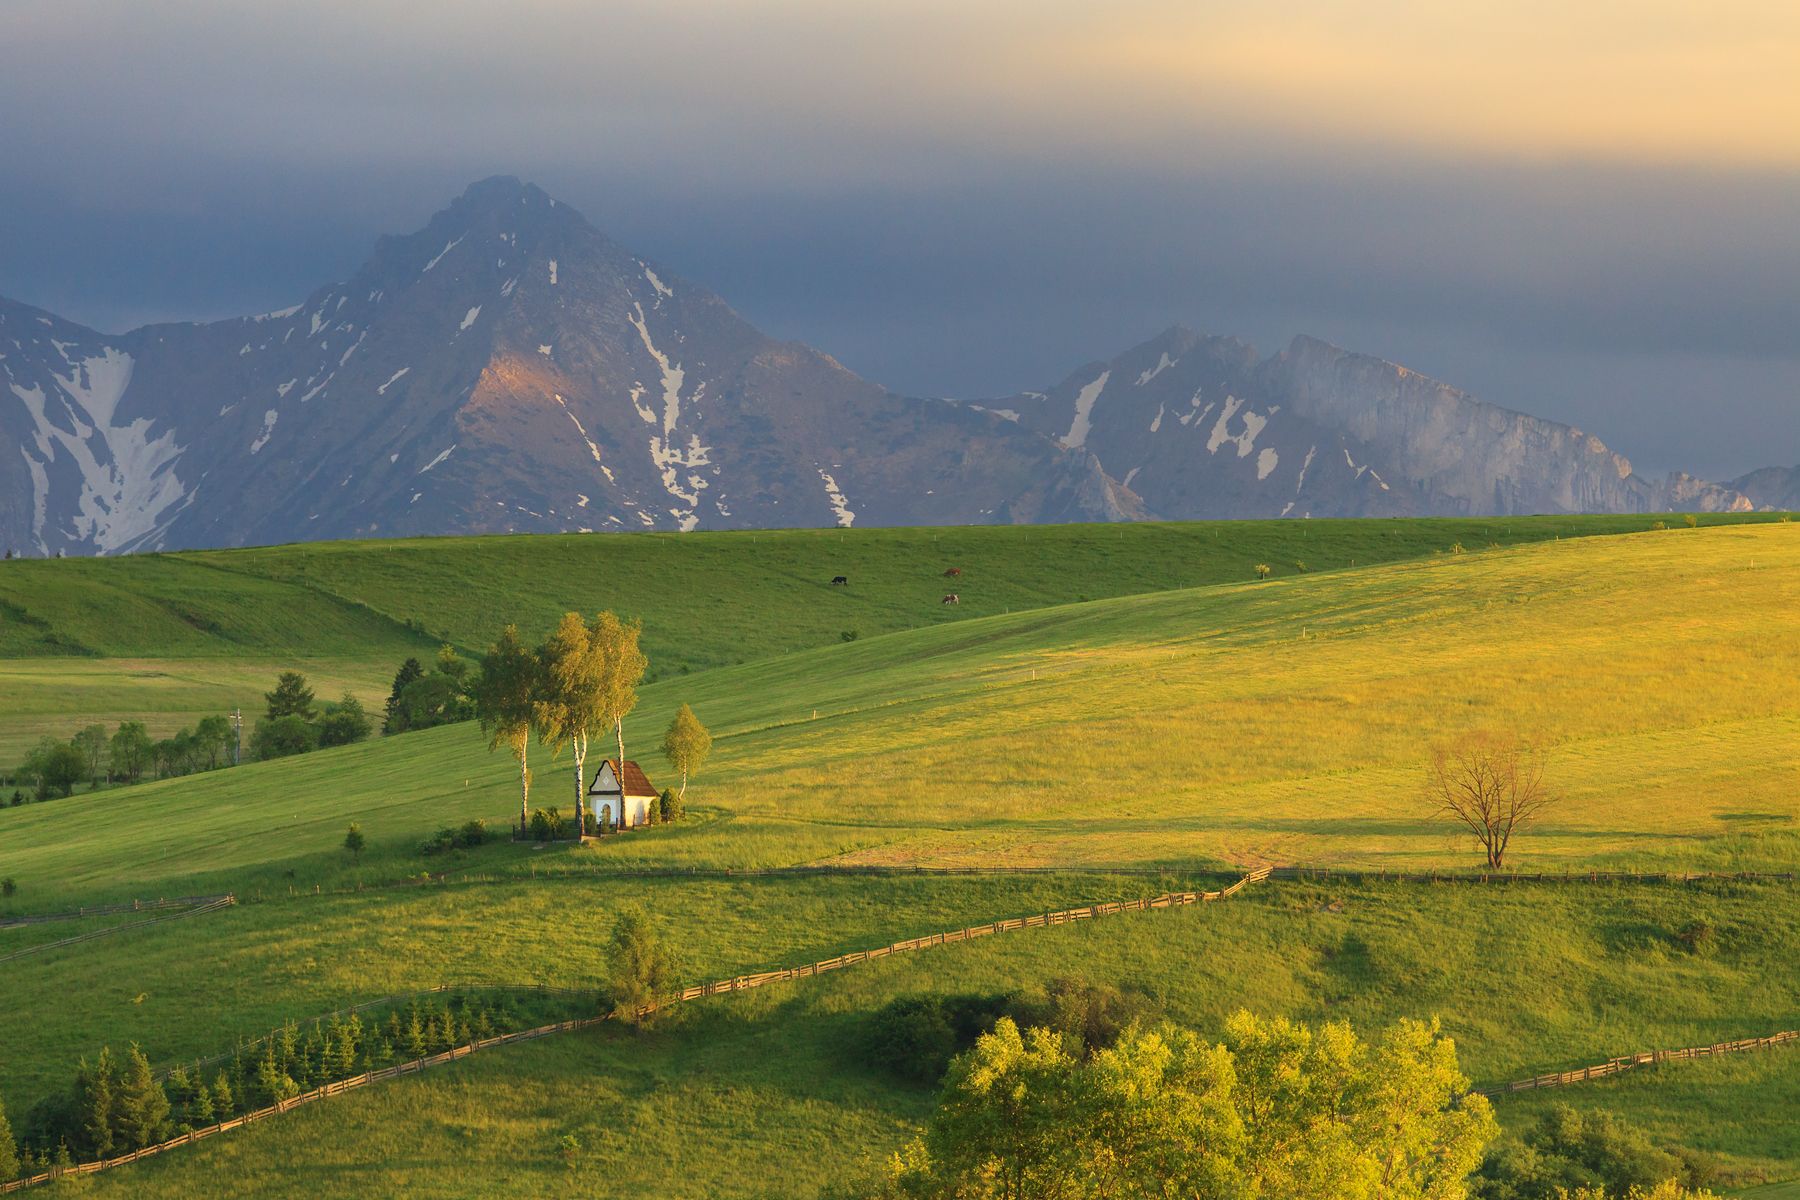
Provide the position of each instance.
(127, 755)
(117, 1104)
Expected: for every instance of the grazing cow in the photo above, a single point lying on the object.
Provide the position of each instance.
(953, 572)
(840, 581)
(952, 598)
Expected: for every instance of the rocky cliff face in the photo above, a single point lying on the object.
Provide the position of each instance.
(1201, 426)
(1770, 487)
(506, 368)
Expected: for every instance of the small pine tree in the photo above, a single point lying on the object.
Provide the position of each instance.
(143, 1105)
(224, 1102)
(272, 1083)
(97, 1105)
(200, 1110)
(412, 1036)
(354, 841)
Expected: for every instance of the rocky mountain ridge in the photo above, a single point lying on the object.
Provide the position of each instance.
(510, 368)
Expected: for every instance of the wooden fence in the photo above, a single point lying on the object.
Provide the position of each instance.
(1618, 1066)
(107, 910)
(211, 905)
(737, 983)
(1327, 874)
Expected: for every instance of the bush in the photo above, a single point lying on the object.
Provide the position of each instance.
(9, 887)
(547, 825)
(1569, 1150)
(281, 737)
(474, 833)
(915, 1037)
(1696, 936)
(1094, 1014)
(669, 806)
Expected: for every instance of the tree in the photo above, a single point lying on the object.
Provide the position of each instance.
(1276, 1110)
(60, 766)
(639, 968)
(573, 696)
(686, 744)
(505, 702)
(94, 1094)
(281, 737)
(617, 644)
(395, 721)
(433, 700)
(344, 722)
(1262, 570)
(92, 744)
(1491, 785)
(354, 840)
(129, 751)
(9, 1149)
(211, 736)
(143, 1105)
(291, 697)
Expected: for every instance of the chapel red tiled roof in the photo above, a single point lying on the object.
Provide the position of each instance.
(636, 782)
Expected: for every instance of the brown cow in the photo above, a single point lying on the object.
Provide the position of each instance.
(952, 598)
(953, 572)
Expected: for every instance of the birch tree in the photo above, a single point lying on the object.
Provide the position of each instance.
(574, 689)
(686, 744)
(505, 703)
(617, 643)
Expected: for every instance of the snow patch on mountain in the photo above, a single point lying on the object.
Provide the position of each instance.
(1162, 364)
(1084, 410)
(835, 496)
(448, 247)
(1244, 441)
(662, 289)
(268, 428)
(469, 319)
(440, 458)
(391, 381)
(129, 489)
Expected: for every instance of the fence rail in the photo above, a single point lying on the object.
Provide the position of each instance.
(214, 905)
(1630, 1062)
(734, 984)
(107, 910)
(1357, 875)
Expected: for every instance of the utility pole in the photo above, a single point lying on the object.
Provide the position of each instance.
(237, 735)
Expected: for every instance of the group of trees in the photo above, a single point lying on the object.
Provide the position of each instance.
(294, 722)
(580, 682)
(422, 699)
(55, 767)
(118, 1104)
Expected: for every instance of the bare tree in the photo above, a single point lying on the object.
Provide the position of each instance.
(1492, 785)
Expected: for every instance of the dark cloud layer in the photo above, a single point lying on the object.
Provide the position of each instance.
(187, 166)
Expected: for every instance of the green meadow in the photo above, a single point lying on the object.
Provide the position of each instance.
(1103, 697)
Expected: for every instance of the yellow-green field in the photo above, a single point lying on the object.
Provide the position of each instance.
(1202, 728)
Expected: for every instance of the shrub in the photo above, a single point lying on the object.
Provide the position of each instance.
(669, 806)
(540, 826)
(1094, 1014)
(915, 1037)
(472, 833)
(1696, 936)
(1571, 1150)
(848, 635)
(354, 841)
(568, 1146)
(9, 887)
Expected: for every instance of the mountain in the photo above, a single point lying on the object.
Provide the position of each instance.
(1201, 425)
(1771, 487)
(510, 368)
(506, 368)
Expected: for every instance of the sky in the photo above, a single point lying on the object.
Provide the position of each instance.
(1589, 212)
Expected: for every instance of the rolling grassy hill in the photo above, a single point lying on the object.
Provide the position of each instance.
(168, 638)
(1193, 728)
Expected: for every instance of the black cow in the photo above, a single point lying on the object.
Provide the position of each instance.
(840, 581)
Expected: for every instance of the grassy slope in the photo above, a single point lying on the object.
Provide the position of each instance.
(202, 632)
(1220, 733)
(767, 1093)
(1179, 728)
